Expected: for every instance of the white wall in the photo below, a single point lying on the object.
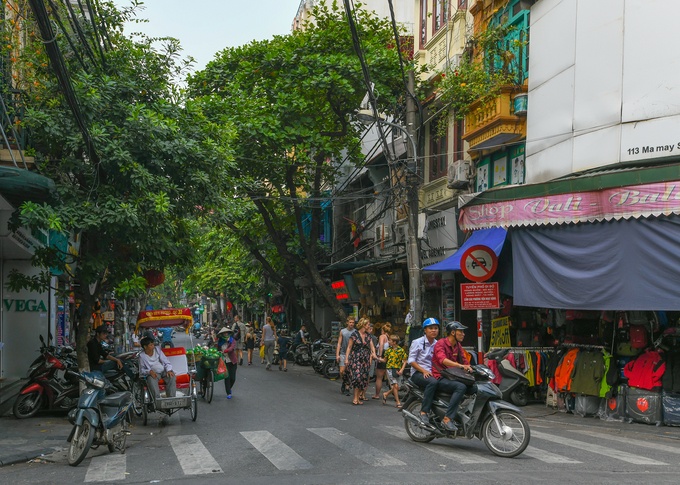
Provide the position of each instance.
(604, 87)
(23, 320)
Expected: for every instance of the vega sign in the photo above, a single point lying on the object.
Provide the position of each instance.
(29, 305)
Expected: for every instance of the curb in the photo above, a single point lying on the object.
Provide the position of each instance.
(26, 456)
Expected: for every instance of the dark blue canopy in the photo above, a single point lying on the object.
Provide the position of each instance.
(493, 238)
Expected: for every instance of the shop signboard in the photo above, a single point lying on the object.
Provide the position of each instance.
(108, 316)
(479, 296)
(500, 332)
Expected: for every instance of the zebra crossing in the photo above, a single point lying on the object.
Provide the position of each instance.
(194, 458)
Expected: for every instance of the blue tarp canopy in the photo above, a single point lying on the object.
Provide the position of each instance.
(493, 238)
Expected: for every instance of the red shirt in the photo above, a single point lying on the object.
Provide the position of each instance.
(444, 350)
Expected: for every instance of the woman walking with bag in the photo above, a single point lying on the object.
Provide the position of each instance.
(383, 344)
(360, 349)
(227, 345)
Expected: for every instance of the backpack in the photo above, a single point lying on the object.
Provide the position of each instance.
(638, 337)
(237, 331)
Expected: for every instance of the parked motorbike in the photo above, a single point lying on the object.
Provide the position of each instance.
(48, 386)
(514, 386)
(481, 414)
(196, 330)
(302, 354)
(99, 419)
(331, 368)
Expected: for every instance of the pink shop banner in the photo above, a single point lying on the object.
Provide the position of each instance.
(603, 205)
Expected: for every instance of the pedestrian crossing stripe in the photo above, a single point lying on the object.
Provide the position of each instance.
(598, 449)
(276, 451)
(195, 459)
(464, 457)
(361, 450)
(107, 468)
(193, 456)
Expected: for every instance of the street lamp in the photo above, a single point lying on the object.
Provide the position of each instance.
(412, 248)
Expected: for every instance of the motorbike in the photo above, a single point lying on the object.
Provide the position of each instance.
(302, 354)
(331, 368)
(99, 419)
(481, 414)
(48, 385)
(196, 330)
(514, 386)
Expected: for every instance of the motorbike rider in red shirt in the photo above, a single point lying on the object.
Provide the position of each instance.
(448, 352)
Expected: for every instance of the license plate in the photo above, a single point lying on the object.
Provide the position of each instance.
(172, 402)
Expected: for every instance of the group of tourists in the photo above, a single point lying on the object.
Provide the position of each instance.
(427, 356)
(358, 348)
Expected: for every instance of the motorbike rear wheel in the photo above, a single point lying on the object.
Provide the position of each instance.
(331, 370)
(26, 405)
(415, 432)
(520, 396)
(515, 438)
(121, 439)
(80, 443)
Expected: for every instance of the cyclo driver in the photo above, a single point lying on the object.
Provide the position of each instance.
(448, 352)
(420, 359)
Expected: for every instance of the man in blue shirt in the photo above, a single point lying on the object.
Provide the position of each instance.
(420, 359)
(165, 335)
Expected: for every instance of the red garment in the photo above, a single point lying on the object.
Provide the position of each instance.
(646, 371)
(493, 365)
(565, 370)
(229, 350)
(444, 350)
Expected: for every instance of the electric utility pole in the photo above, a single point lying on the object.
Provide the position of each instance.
(412, 183)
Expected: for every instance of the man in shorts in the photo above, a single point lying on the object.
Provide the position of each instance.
(341, 350)
(241, 334)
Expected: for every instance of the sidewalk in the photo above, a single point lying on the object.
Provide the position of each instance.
(22, 440)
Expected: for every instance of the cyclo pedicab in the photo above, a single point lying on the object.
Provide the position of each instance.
(184, 375)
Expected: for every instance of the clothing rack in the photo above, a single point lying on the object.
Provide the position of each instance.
(583, 346)
(516, 349)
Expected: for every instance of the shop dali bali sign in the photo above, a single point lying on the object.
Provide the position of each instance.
(621, 202)
(28, 305)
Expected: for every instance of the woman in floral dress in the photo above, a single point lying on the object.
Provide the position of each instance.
(360, 349)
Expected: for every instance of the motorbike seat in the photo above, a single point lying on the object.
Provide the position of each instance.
(116, 399)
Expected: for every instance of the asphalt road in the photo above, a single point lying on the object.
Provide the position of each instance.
(296, 428)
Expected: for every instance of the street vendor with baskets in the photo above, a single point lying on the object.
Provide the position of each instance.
(227, 345)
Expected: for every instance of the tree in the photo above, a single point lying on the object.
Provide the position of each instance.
(290, 100)
(153, 161)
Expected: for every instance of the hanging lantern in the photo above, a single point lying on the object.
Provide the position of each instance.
(153, 277)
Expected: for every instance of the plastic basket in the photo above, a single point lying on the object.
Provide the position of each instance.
(210, 362)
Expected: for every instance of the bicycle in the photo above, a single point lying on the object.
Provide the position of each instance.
(205, 376)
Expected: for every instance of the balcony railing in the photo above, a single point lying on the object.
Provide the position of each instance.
(494, 122)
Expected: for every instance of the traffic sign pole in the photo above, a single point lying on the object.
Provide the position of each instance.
(480, 340)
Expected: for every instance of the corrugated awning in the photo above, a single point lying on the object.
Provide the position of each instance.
(493, 237)
(622, 194)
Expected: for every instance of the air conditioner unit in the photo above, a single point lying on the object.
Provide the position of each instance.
(459, 174)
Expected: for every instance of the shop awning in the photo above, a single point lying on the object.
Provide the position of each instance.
(617, 265)
(493, 238)
(595, 197)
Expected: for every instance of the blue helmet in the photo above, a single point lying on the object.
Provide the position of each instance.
(430, 322)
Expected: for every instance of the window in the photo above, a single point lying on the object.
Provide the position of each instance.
(438, 149)
(423, 23)
(441, 14)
